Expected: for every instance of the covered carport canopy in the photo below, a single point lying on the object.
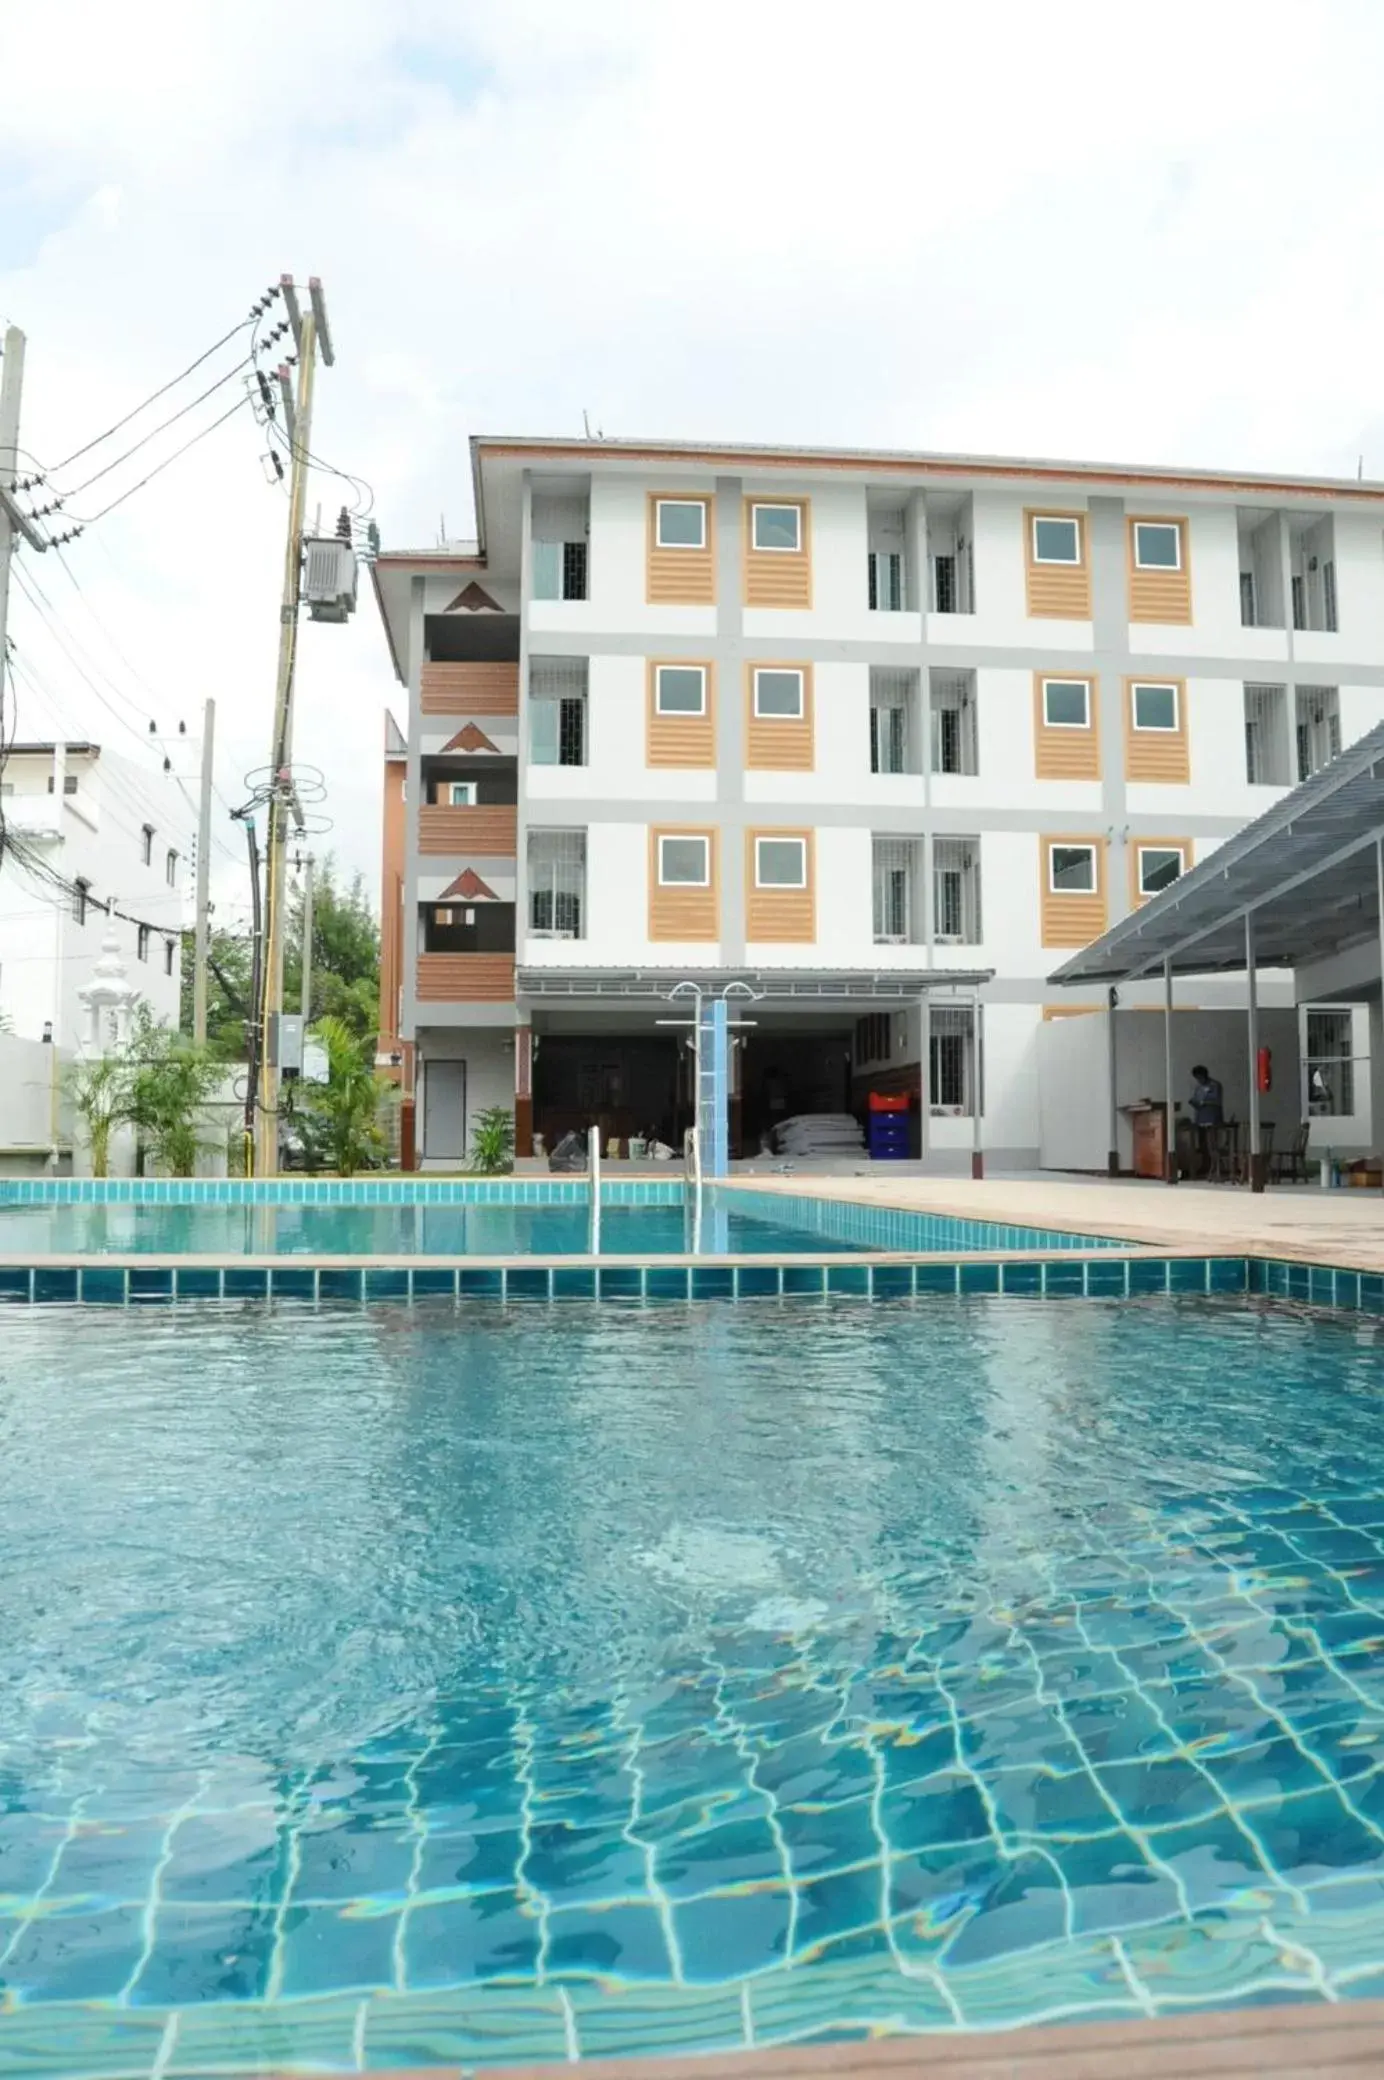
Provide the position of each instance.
(1304, 880)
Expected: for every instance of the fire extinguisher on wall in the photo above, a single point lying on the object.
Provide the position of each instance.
(1263, 1069)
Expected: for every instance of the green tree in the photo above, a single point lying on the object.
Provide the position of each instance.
(345, 966)
(170, 1081)
(343, 1123)
(100, 1093)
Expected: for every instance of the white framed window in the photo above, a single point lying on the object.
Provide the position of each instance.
(680, 523)
(1056, 538)
(1157, 545)
(170, 869)
(779, 694)
(142, 943)
(1159, 867)
(680, 689)
(780, 863)
(146, 844)
(461, 794)
(1066, 703)
(1154, 705)
(778, 529)
(169, 948)
(1072, 870)
(684, 861)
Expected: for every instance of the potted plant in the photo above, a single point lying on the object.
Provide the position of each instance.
(492, 1141)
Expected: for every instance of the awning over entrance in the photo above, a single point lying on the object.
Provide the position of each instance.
(768, 985)
(1306, 873)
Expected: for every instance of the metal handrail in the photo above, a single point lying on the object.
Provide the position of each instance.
(593, 1144)
(694, 1147)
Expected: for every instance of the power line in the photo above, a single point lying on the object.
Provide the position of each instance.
(251, 319)
(75, 490)
(364, 490)
(90, 520)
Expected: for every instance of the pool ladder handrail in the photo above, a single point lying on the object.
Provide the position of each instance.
(593, 1142)
(694, 1151)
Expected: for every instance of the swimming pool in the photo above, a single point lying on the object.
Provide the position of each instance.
(504, 1219)
(389, 1686)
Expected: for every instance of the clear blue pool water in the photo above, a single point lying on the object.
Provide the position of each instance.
(416, 1230)
(399, 1687)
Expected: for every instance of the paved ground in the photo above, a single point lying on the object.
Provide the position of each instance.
(1333, 1227)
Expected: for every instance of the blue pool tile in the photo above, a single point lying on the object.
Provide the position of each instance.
(386, 1282)
(624, 1942)
(76, 1957)
(251, 1281)
(976, 1278)
(1347, 1289)
(804, 1278)
(1321, 1285)
(455, 1942)
(1372, 1291)
(1276, 1277)
(1299, 1281)
(1148, 1275)
(729, 1935)
(1229, 1275)
(756, 1281)
(713, 1282)
(198, 1282)
(848, 1278)
(620, 1282)
(155, 1284)
(666, 1282)
(1256, 1275)
(528, 1282)
(55, 1284)
(104, 1283)
(475, 1283)
(1063, 1278)
(293, 1282)
(207, 1953)
(328, 1950)
(936, 1278)
(1021, 1278)
(340, 1285)
(1187, 1275)
(429, 1282)
(575, 1282)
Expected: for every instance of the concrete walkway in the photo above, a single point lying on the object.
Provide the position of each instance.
(1337, 1227)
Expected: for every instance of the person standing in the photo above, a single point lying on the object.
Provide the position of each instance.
(1208, 1113)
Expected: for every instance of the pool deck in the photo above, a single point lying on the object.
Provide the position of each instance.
(1302, 1223)
(1297, 2043)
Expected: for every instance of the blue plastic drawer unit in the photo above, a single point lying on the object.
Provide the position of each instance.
(888, 1128)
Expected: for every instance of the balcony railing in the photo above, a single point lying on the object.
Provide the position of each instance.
(489, 831)
(465, 978)
(470, 689)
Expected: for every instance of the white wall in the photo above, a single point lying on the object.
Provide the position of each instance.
(28, 1070)
(617, 905)
(488, 1052)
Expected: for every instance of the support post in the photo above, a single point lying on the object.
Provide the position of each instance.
(281, 751)
(1379, 897)
(1257, 1164)
(925, 1073)
(523, 1090)
(1112, 1159)
(11, 384)
(977, 1146)
(1169, 1130)
(307, 939)
(202, 933)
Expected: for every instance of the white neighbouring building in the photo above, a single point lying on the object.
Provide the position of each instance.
(114, 833)
(832, 723)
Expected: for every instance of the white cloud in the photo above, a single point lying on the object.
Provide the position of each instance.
(1077, 229)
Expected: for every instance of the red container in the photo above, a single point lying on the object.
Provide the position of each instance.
(889, 1101)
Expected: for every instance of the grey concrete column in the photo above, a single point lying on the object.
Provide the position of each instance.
(413, 789)
(1255, 1170)
(1110, 661)
(1169, 1133)
(730, 715)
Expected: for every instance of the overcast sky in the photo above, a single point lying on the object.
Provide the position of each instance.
(1135, 233)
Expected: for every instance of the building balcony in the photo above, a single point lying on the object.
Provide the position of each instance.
(487, 831)
(465, 978)
(477, 687)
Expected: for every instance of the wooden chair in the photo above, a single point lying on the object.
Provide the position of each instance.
(1290, 1163)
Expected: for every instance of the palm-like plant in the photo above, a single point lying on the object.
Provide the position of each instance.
(492, 1140)
(346, 1109)
(100, 1095)
(169, 1081)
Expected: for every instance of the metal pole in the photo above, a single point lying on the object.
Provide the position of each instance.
(1169, 1134)
(202, 936)
(281, 755)
(1374, 1067)
(1256, 1159)
(307, 939)
(11, 383)
(977, 1149)
(1112, 1159)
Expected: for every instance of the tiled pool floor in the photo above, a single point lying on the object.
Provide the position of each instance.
(594, 1685)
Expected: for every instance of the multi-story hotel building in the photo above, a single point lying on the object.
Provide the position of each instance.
(851, 729)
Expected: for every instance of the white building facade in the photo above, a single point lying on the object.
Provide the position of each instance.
(816, 720)
(95, 847)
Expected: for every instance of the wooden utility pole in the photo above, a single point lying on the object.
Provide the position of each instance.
(310, 332)
(202, 938)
